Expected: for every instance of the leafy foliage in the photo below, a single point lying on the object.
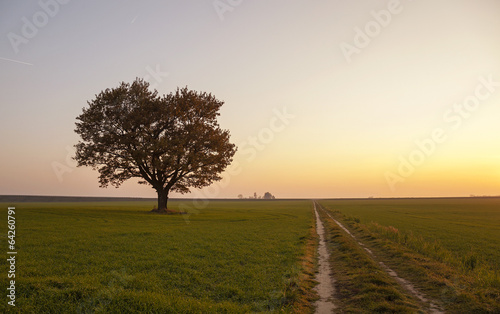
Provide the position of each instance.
(172, 142)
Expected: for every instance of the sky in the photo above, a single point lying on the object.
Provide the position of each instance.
(322, 98)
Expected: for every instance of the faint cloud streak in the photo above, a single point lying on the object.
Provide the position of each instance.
(17, 61)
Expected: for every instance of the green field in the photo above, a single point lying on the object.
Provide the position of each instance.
(448, 248)
(461, 225)
(230, 256)
(251, 256)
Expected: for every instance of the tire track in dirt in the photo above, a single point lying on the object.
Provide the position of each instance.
(408, 286)
(325, 287)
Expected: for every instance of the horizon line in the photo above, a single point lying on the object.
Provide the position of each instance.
(54, 198)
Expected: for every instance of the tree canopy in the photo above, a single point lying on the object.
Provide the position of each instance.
(172, 142)
(268, 196)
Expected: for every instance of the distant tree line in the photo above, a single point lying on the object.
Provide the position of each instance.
(266, 196)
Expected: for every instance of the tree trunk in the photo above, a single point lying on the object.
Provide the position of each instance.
(162, 200)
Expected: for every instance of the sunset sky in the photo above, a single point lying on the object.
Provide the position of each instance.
(323, 98)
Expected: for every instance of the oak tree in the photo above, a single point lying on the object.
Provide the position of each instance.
(172, 142)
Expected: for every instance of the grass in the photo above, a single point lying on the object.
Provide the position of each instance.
(449, 247)
(252, 256)
(361, 285)
(461, 225)
(229, 257)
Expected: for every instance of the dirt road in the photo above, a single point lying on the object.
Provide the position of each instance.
(429, 305)
(325, 287)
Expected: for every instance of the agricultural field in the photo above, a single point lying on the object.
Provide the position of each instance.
(224, 257)
(463, 226)
(255, 256)
(449, 248)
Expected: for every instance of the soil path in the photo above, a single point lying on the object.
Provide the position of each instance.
(408, 286)
(325, 287)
